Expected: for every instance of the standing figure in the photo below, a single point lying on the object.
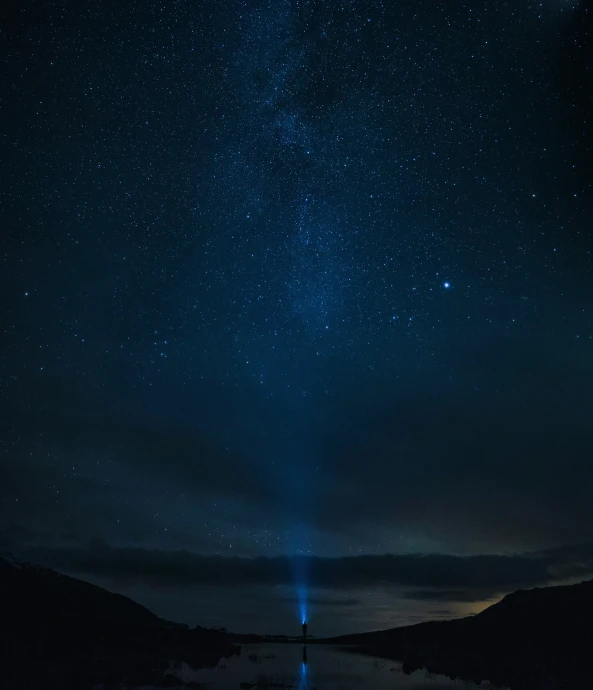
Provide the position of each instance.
(304, 630)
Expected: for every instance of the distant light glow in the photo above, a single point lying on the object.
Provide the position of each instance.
(302, 598)
(447, 285)
(300, 565)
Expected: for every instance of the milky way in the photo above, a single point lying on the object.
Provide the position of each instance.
(294, 277)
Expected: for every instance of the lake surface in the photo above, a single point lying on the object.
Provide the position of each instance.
(316, 667)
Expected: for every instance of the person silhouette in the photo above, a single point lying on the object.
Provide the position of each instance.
(304, 630)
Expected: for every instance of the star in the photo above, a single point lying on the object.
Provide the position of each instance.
(311, 180)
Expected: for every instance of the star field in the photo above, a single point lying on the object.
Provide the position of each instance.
(291, 277)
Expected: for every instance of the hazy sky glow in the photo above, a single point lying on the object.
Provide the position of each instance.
(298, 278)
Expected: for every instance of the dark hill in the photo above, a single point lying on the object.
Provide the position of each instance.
(30, 592)
(531, 638)
(57, 631)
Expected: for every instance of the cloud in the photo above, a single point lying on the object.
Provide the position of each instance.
(441, 471)
(449, 595)
(433, 577)
(325, 601)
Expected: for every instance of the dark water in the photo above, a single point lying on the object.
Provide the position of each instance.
(320, 667)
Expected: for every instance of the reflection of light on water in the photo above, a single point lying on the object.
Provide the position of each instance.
(303, 676)
(311, 667)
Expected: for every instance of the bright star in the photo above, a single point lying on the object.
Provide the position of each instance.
(446, 285)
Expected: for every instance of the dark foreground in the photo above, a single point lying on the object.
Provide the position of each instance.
(539, 638)
(59, 632)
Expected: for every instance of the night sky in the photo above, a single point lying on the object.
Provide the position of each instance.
(298, 278)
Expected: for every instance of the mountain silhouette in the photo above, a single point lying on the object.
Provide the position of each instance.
(57, 631)
(530, 638)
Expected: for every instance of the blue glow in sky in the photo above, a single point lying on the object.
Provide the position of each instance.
(302, 600)
(223, 334)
